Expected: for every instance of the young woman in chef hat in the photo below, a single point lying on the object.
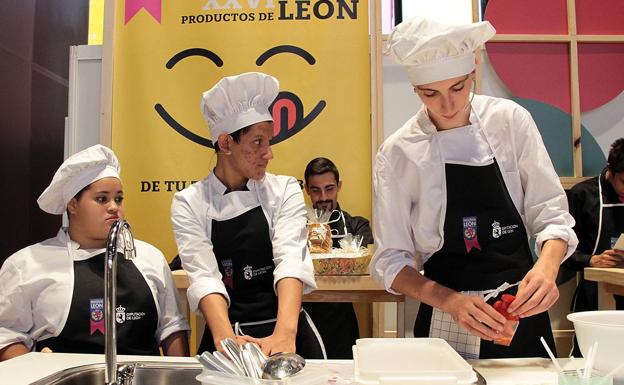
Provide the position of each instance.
(52, 293)
(459, 189)
(241, 232)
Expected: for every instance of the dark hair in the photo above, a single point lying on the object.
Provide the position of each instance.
(235, 135)
(615, 162)
(79, 193)
(77, 196)
(320, 166)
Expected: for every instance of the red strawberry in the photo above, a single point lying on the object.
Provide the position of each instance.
(501, 307)
(508, 298)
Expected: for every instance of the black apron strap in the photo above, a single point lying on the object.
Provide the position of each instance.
(337, 325)
(611, 226)
(307, 342)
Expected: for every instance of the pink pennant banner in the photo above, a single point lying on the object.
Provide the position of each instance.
(96, 321)
(96, 326)
(470, 233)
(153, 7)
(472, 243)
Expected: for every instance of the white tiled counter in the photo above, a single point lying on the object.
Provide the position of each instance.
(26, 369)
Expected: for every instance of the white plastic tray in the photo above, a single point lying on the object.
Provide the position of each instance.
(394, 361)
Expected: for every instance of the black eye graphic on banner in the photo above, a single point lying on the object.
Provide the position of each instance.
(287, 109)
(162, 112)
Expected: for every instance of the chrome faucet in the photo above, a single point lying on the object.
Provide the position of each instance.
(119, 235)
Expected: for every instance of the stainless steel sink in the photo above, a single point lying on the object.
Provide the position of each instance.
(145, 373)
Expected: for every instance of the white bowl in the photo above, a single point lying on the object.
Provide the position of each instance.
(607, 328)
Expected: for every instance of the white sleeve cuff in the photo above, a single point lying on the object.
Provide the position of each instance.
(385, 267)
(179, 325)
(295, 268)
(10, 337)
(563, 232)
(207, 285)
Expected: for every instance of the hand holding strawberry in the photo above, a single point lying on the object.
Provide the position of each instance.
(512, 321)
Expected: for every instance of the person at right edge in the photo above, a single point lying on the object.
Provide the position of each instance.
(597, 205)
(459, 190)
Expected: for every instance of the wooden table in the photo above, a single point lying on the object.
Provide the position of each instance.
(344, 288)
(610, 281)
(360, 288)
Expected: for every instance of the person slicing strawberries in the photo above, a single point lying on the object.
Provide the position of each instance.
(459, 191)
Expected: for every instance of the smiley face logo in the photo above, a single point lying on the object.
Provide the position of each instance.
(287, 109)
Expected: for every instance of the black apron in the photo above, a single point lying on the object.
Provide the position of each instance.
(336, 321)
(244, 252)
(485, 245)
(610, 226)
(136, 314)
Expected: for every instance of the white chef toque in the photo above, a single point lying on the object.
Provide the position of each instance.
(238, 101)
(432, 51)
(77, 172)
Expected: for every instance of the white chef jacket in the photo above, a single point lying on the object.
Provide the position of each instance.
(281, 199)
(37, 284)
(410, 187)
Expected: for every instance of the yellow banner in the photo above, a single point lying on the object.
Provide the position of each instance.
(166, 53)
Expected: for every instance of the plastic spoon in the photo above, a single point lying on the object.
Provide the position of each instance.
(579, 374)
(554, 360)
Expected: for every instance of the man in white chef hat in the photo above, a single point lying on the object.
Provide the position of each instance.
(52, 292)
(459, 189)
(241, 232)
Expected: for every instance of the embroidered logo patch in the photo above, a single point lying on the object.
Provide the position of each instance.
(121, 315)
(248, 272)
(96, 310)
(470, 233)
(498, 230)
